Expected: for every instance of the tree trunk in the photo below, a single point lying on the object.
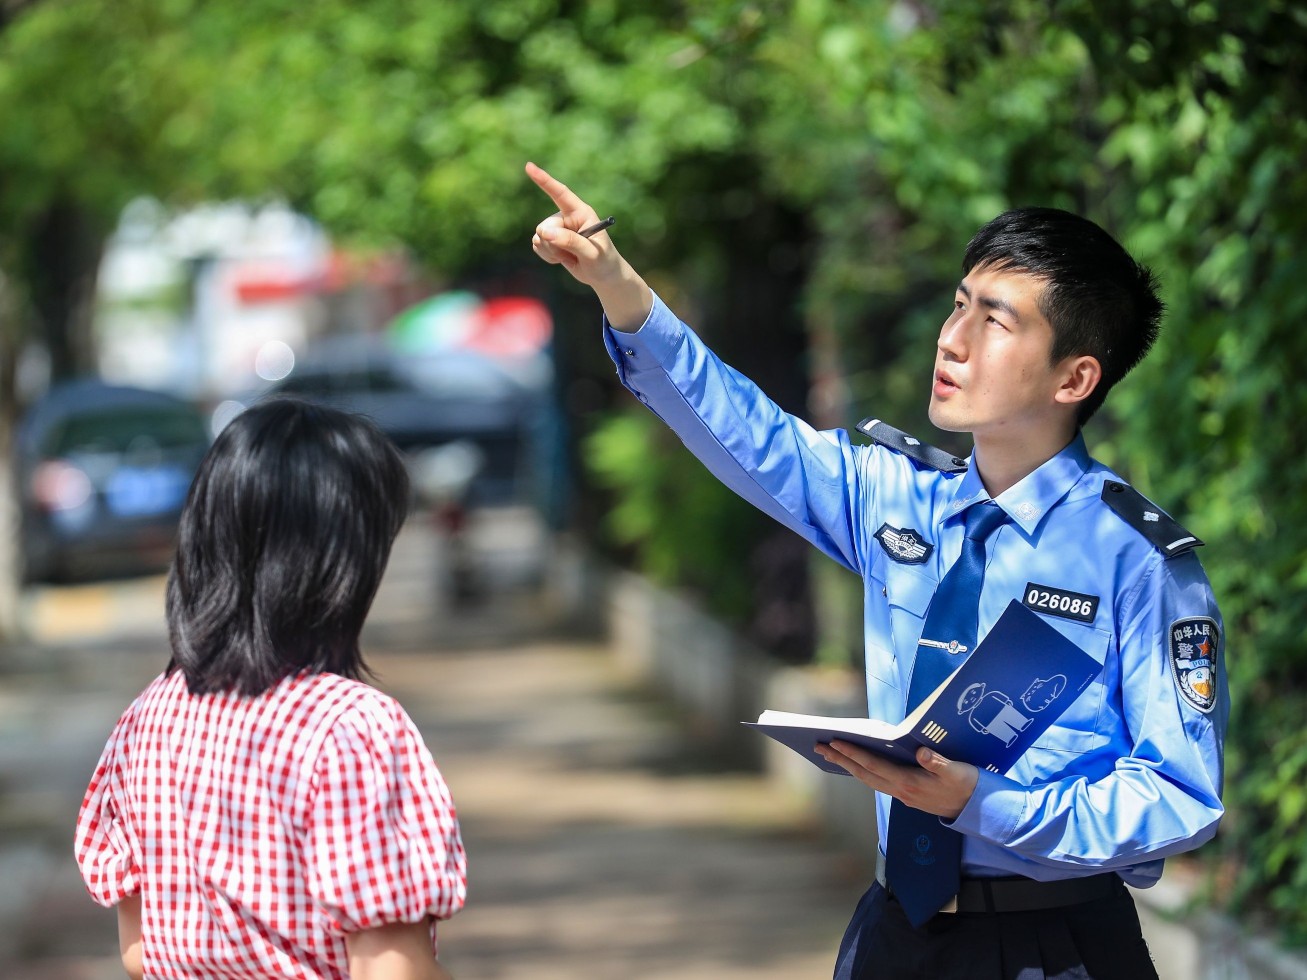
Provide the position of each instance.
(62, 258)
(10, 559)
(757, 328)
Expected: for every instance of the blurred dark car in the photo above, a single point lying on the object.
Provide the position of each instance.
(103, 472)
(426, 401)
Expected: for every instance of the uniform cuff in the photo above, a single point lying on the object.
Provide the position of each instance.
(994, 810)
(653, 345)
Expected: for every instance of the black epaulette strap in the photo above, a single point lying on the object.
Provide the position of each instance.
(892, 438)
(1148, 519)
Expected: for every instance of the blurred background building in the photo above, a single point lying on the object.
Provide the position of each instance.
(220, 305)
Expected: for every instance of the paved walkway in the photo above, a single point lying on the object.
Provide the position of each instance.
(599, 845)
(602, 842)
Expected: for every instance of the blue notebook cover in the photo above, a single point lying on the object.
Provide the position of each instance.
(1016, 683)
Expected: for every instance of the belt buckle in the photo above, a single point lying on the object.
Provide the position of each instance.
(950, 907)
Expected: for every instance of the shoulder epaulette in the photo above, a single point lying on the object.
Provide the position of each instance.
(898, 440)
(1148, 519)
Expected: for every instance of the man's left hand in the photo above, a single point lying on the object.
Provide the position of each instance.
(941, 786)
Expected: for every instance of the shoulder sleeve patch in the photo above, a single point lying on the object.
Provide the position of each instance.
(1195, 646)
(891, 438)
(1148, 519)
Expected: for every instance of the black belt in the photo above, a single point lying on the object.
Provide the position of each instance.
(1025, 894)
(1028, 895)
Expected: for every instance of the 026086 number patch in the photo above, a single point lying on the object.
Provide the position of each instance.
(1059, 602)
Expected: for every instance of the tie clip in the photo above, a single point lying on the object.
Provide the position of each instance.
(952, 646)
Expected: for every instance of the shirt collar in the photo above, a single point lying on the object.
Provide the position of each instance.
(1026, 502)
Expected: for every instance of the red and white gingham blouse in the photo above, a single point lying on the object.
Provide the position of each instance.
(259, 831)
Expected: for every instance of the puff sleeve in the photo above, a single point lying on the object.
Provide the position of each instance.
(102, 843)
(383, 842)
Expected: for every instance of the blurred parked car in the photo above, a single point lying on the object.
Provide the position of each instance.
(103, 472)
(424, 401)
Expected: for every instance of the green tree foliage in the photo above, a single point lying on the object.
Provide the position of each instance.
(638, 458)
(1206, 120)
(386, 120)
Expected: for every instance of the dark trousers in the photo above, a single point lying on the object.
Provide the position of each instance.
(1097, 940)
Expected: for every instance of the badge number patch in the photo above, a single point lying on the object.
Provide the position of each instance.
(1060, 602)
(1194, 644)
(904, 545)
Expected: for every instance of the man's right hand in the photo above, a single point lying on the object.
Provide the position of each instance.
(594, 261)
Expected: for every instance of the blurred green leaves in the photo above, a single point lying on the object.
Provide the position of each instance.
(673, 512)
(385, 120)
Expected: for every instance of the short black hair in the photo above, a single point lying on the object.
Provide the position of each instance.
(284, 538)
(1097, 298)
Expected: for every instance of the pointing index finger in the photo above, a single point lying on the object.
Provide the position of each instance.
(560, 193)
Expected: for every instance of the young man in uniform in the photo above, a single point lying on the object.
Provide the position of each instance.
(983, 875)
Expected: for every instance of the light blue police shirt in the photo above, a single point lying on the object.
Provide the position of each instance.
(1132, 771)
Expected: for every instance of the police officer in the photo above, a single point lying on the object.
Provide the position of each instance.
(1049, 314)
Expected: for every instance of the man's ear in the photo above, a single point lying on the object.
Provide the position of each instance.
(1080, 376)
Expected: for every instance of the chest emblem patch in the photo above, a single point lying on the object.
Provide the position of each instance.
(904, 545)
(1193, 644)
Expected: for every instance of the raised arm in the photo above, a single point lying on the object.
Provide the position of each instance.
(807, 480)
(595, 261)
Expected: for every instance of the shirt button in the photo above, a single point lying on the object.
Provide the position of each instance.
(629, 352)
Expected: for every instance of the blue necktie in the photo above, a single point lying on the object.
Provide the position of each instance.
(922, 857)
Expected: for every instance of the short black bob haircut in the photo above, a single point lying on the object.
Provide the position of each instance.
(1098, 299)
(283, 541)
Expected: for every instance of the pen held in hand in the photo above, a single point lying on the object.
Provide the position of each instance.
(597, 227)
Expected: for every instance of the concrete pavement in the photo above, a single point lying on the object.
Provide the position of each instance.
(603, 843)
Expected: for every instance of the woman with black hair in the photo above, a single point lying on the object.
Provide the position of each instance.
(259, 811)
